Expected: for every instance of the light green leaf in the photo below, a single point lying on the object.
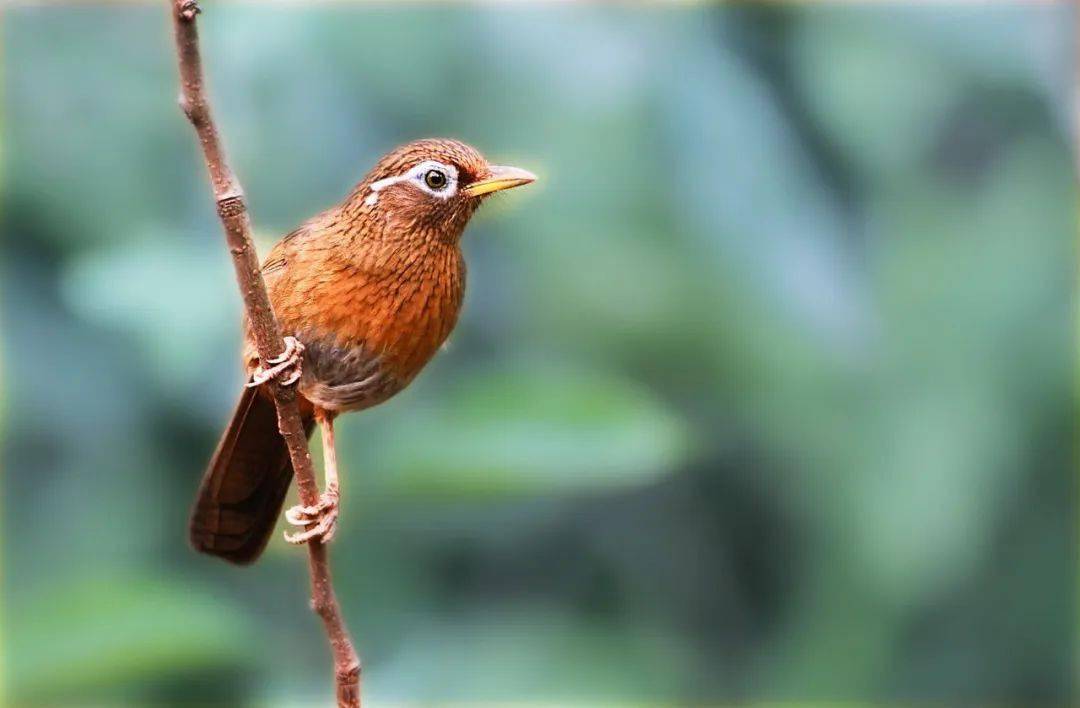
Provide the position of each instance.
(111, 632)
(536, 431)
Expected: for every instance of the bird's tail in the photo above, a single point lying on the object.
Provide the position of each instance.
(244, 487)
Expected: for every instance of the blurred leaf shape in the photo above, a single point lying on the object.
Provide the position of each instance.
(174, 296)
(111, 632)
(874, 95)
(514, 652)
(534, 431)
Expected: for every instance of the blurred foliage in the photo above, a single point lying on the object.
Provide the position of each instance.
(763, 392)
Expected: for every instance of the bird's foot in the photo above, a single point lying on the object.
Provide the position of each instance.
(285, 365)
(323, 515)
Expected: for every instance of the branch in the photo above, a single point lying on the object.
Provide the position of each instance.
(229, 197)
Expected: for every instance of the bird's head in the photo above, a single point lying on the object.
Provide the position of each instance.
(430, 188)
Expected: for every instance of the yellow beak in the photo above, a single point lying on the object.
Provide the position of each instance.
(499, 178)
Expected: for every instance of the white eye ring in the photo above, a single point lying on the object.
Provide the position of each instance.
(419, 173)
(416, 175)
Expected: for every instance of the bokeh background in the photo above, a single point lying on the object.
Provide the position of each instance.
(763, 392)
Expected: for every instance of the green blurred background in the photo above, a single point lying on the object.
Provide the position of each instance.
(763, 392)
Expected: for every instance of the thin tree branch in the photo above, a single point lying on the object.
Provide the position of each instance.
(232, 210)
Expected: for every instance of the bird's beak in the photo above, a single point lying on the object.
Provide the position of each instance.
(499, 178)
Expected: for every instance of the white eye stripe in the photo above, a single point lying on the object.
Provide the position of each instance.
(416, 174)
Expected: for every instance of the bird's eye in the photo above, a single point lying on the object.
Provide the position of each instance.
(435, 179)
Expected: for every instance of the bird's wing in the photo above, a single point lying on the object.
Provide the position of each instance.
(278, 257)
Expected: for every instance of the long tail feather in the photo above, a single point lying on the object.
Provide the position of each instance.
(244, 487)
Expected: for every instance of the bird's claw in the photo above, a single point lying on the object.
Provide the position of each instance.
(287, 365)
(323, 515)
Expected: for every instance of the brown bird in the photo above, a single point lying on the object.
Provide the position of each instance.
(366, 293)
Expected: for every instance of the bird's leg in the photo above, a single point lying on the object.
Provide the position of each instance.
(287, 365)
(322, 517)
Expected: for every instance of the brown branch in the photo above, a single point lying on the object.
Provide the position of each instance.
(229, 198)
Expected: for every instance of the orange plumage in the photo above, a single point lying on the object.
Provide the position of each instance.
(371, 288)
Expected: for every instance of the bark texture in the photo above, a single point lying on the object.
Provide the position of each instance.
(231, 208)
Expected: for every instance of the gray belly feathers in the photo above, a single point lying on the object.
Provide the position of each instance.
(338, 378)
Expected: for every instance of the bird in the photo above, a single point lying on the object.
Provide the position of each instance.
(366, 293)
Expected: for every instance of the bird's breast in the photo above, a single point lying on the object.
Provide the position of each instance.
(370, 326)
